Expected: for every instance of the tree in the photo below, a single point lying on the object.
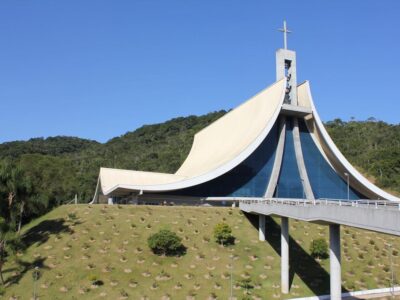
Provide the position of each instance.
(18, 188)
(9, 243)
(223, 234)
(319, 248)
(166, 242)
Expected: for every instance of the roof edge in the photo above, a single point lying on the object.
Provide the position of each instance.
(341, 158)
(185, 183)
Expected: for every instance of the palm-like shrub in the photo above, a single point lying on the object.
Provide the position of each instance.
(166, 242)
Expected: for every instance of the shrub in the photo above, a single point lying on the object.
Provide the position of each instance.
(166, 242)
(123, 293)
(94, 280)
(72, 216)
(223, 234)
(319, 248)
(386, 269)
(246, 284)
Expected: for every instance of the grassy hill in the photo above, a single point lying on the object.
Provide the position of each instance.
(72, 245)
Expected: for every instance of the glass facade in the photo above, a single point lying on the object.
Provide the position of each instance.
(324, 181)
(248, 179)
(251, 177)
(289, 183)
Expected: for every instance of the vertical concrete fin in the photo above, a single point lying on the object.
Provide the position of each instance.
(300, 161)
(269, 193)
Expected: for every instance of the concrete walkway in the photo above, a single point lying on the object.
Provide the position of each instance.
(379, 216)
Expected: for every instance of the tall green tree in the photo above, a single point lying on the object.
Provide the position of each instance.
(18, 188)
(9, 243)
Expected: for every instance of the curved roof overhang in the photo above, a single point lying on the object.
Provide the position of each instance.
(332, 154)
(216, 149)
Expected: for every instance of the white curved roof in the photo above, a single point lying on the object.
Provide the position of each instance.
(216, 149)
(110, 178)
(332, 154)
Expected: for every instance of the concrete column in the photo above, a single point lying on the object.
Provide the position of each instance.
(334, 260)
(261, 227)
(285, 255)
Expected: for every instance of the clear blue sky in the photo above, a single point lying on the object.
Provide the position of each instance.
(97, 69)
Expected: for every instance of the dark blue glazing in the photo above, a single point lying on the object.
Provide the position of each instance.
(325, 182)
(289, 183)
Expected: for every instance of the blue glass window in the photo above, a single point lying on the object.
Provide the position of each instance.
(324, 180)
(289, 183)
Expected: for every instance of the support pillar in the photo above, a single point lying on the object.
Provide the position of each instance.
(334, 260)
(285, 255)
(261, 227)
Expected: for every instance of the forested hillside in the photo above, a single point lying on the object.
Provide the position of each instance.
(372, 146)
(51, 171)
(48, 172)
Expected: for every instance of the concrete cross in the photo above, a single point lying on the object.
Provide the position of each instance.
(285, 32)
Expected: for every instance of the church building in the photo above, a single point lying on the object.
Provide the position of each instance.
(274, 145)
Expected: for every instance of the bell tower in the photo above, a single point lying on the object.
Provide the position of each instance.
(286, 68)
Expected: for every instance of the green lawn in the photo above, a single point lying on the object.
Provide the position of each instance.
(109, 243)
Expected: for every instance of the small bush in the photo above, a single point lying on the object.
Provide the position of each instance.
(246, 284)
(123, 293)
(223, 234)
(386, 269)
(166, 242)
(94, 280)
(72, 216)
(319, 248)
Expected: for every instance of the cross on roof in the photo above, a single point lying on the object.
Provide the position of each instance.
(285, 32)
